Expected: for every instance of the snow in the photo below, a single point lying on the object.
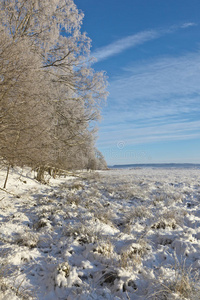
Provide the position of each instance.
(116, 234)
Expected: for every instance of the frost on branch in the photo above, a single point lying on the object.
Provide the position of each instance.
(49, 92)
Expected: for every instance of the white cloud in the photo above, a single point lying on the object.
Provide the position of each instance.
(172, 79)
(156, 101)
(125, 43)
(135, 40)
(189, 24)
(150, 133)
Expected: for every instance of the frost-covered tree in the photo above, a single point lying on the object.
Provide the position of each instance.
(49, 92)
(101, 163)
(23, 109)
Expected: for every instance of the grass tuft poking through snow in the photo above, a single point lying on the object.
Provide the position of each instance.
(183, 283)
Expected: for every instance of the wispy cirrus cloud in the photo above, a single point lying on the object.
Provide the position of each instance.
(156, 132)
(125, 43)
(154, 101)
(134, 40)
(189, 24)
(171, 79)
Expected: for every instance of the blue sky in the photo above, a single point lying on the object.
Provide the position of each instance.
(150, 50)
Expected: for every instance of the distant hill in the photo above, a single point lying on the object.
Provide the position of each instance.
(168, 165)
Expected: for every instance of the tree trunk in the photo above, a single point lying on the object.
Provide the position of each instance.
(40, 174)
(8, 169)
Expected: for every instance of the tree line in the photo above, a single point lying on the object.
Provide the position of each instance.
(50, 96)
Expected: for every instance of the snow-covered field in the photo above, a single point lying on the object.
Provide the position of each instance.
(117, 234)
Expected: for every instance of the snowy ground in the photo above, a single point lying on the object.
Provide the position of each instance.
(117, 234)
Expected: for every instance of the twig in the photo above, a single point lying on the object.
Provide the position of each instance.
(9, 193)
(128, 296)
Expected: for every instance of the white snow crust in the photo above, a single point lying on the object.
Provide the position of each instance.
(115, 234)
